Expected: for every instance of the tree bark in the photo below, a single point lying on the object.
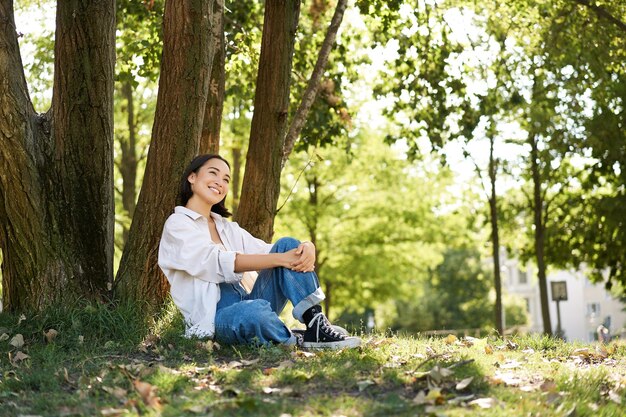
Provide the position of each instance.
(210, 141)
(236, 175)
(495, 239)
(299, 119)
(261, 183)
(539, 234)
(181, 105)
(56, 179)
(129, 164)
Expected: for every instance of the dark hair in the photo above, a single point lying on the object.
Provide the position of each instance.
(184, 191)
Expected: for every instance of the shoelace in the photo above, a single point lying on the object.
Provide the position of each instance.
(323, 322)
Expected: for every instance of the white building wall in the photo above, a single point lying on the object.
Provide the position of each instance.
(587, 306)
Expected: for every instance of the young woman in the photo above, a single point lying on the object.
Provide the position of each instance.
(206, 259)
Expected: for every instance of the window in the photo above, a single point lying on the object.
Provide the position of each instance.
(522, 277)
(593, 309)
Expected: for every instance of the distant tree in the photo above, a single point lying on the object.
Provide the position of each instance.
(371, 216)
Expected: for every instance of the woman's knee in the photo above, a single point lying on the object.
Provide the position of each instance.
(285, 244)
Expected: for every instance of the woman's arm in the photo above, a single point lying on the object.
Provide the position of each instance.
(244, 262)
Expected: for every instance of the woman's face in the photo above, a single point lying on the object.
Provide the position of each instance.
(210, 183)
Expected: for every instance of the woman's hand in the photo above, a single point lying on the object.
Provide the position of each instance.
(306, 258)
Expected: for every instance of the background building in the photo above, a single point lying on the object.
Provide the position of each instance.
(588, 305)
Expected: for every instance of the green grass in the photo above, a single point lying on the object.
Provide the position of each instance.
(108, 362)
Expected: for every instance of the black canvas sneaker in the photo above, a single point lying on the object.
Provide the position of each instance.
(320, 334)
(336, 328)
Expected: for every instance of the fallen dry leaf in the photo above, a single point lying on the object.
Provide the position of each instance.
(17, 341)
(285, 364)
(148, 394)
(117, 392)
(233, 364)
(511, 364)
(548, 386)
(364, 384)
(464, 383)
(4, 336)
(467, 341)
(508, 379)
(437, 374)
(488, 349)
(379, 342)
(615, 397)
(450, 339)
(22, 318)
(302, 354)
(581, 352)
(19, 357)
(50, 335)
(460, 399)
(511, 345)
(112, 412)
(420, 398)
(81, 339)
(483, 402)
(602, 352)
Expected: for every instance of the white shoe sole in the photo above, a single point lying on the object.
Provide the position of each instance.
(349, 342)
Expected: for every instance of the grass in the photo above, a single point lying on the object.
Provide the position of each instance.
(108, 362)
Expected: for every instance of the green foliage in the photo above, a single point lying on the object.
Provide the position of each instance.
(139, 41)
(378, 221)
(36, 47)
(427, 92)
(571, 109)
(455, 296)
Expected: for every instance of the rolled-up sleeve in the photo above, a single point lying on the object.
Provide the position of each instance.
(185, 246)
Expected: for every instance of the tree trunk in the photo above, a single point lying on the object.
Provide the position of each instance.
(56, 179)
(210, 141)
(178, 122)
(539, 234)
(235, 176)
(261, 183)
(129, 164)
(312, 88)
(495, 239)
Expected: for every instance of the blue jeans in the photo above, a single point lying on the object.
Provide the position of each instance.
(253, 318)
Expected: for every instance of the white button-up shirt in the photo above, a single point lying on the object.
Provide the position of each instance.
(195, 265)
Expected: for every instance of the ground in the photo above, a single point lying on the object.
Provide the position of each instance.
(96, 361)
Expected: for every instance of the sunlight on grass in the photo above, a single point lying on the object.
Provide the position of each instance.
(108, 362)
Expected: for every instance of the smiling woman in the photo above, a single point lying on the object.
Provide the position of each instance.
(205, 258)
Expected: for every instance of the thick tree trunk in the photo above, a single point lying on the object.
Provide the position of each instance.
(539, 234)
(495, 239)
(129, 163)
(56, 179)
(261, 184)
(210, 141)
(181, 105)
